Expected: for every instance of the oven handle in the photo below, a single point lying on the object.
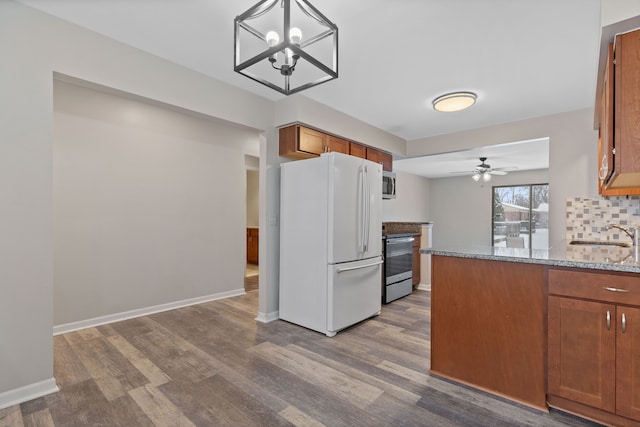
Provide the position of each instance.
(340, 270)
(394, 240)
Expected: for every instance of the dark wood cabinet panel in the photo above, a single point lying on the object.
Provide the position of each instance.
(488, 326)
(415, 262)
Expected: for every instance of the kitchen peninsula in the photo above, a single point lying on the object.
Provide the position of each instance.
(541, 327)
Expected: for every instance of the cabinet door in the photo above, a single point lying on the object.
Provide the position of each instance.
(373, 155)
(311, 141)
(386, 160)
(338, 145)
(605, 151)
(252, 245)
(581, 351)
(628, 362)
(358, 150)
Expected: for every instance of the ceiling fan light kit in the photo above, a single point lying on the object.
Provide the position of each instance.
(484, 171)
(289, 49)
(455, 101)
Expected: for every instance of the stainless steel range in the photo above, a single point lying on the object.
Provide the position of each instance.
(398, 256)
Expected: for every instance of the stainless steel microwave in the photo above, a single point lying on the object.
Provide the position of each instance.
(388, 185)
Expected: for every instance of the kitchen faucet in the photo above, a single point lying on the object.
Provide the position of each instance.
(632, 232)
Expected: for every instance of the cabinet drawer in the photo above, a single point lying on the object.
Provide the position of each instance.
(615, 288)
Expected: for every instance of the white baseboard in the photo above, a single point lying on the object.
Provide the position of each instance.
(268, 317)
(28, 392)
(117, 317)
(425, 287)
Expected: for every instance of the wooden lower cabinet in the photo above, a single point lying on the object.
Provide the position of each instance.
(582, 352)
(488, 326)
(594, 345)
(415, 262)
(628, 363)
(252, 245)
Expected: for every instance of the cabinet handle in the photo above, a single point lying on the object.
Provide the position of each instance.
(624, 323)
(606, 288)
(608, 320)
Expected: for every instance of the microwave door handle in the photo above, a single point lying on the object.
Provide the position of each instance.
(393, 185)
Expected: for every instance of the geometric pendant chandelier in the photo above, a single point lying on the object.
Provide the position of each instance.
(288, 48)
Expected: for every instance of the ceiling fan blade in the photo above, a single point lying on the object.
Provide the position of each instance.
(497, 172)
(462, 173)
(507, 168)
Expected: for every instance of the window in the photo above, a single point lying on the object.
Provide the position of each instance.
(520, 216)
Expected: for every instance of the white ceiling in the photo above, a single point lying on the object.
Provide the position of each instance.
(524, 58)
(515, 156)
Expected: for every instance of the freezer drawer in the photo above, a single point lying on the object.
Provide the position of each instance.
(354, 293)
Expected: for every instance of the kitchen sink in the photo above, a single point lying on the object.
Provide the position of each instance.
(599, 243)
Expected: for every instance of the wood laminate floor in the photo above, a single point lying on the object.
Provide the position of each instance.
(213, 365)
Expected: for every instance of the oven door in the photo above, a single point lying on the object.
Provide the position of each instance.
(398, 259)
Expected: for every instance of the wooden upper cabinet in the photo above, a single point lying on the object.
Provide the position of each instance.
(358, 150)
(300, 142)
(621, 89)
(338, 145)
(381, 157)
(605, 142)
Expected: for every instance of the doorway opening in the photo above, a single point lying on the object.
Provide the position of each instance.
(251, 278)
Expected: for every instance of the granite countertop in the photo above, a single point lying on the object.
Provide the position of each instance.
(597, 257)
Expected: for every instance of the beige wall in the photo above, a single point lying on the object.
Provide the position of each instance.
(461, 208)
(412, 200)
(253, 191)
(148, 205)
(38, 46)
(573, 146)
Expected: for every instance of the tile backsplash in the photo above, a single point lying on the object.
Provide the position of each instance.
(588, 218)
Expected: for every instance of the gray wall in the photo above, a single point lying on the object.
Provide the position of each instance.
(38, 46)
(253, 191)
(461, 207)
(412, 201)
(573, 146)
(149, 205)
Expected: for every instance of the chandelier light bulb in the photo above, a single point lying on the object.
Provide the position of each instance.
(295, 35)
(272, 38)
(486, 177)
(476, 177)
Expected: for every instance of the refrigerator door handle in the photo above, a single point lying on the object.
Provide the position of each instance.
(361, 219)
(367, 204)
(373, 264)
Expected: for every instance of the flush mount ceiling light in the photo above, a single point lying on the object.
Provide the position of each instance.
(455, 101)
(289, 48)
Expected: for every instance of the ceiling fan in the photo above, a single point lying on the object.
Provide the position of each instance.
(484, 171)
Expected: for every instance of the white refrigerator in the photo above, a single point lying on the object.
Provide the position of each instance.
(330, 241)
